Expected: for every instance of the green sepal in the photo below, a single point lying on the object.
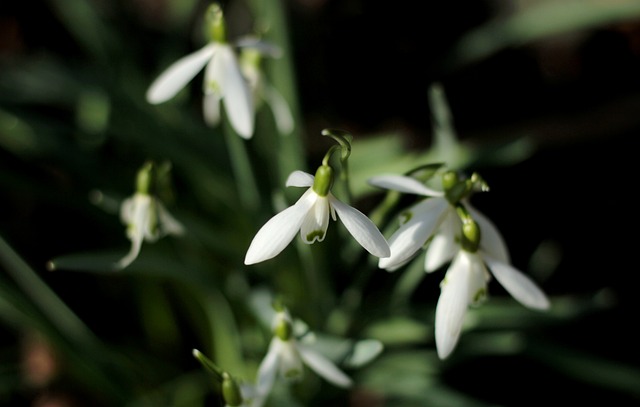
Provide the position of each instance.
(209, 365)
(214, 23)
(323, 180)
(231, 391)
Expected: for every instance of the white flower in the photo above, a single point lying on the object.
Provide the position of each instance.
(223, 81)
(263, 92)
(433, 218)
(310, 215)
(146, 219)
(465, 284)
(287, 356)
(420, 222)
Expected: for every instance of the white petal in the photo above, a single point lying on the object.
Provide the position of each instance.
(491, 240)
(443, 246)
(278, 232)
(268, 368)
(452, 306)
(323, 366)
(179, 74)
(264, 47)
(316, 221)
(521, 287)
(291, 368)
(403, 184)
(168, 223)
(361, 228)
(410, 237)
(211, 109)
(237, 97)
(127, 210)
(280, 108)
(136, 245)
(300, 179)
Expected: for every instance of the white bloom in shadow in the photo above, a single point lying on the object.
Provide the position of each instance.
(465, 284)
(310, 216)
(146, 219)
(287, 356)
(223, 81)
(263, 92)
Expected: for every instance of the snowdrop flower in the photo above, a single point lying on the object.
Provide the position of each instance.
(310, 215)
(465, 284)
(263, 92)
(146, 217)
(418, 223)
(287, 356)
(223, 79)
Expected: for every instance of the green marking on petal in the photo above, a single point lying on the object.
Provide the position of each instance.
(315, 235)
(405, 217)
(292, 374)
(479, 296)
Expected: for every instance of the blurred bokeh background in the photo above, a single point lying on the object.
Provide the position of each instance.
(545, 99)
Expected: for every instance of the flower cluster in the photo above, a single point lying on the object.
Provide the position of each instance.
(443, 222)
(453, 231)
(226, 80)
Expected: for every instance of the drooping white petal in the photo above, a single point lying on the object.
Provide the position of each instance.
(452, 305)
(236, 94)
(264, 47)
(403, 184)
(411, 236)
(269, 368)
(521, 287)
(278, 232)
(168, 224)
(290, 366)
(491, 240)
(211, 109)
(443, 246)
(361, 228)
(136, 245)
(280, 108)
(323, 366)
(126, 210)
(477, 280)
(300, 179)
(179, 74)
(316, 221)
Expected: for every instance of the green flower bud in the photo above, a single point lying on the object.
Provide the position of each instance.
(323, 180)
(215, 23)
(250, 57)
(145, 178)
(470, 236)
(454, 188)
(231, 391)
(283, 329)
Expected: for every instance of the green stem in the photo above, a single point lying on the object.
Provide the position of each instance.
(241, 166)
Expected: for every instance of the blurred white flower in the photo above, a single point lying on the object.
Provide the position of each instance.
(465, 284)
(146, 219)
(263, 92)
(287, 356)
(223, 80)
(310, 215)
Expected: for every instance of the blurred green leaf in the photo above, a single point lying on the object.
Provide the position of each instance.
(537, 20)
